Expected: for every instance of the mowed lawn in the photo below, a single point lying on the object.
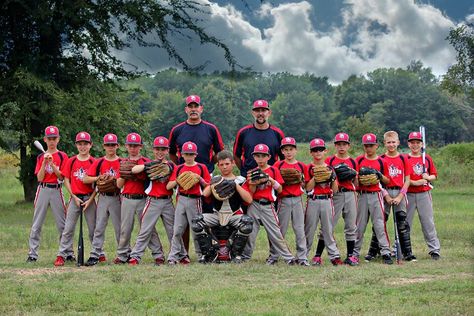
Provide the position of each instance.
(443, 287)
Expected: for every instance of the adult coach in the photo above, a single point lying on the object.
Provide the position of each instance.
(260, 132)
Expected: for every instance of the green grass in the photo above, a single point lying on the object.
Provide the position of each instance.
(425, 287)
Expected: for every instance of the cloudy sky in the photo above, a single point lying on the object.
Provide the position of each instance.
(333, 38)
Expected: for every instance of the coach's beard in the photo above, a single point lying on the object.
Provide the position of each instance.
(261, 120)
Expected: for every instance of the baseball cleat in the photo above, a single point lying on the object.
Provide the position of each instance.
(387, 259)
(271, 262)
(102, 258)
(119, 261)
(351, 261)
(31, 260)
(237, 259)
(92, 262)
(304, 263)
(71, 258)
(316, 261)
(337, 262)
(172, 263)
(133, 262)
(159, 261)
(435, 256)
(410, 258)
(370, 257)
(59, 261)
(185, 261)
(291, 262)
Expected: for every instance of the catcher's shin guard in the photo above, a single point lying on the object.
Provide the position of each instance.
(245, 225)
(205, 245)
(404, 234)
(198, 224)
(238, 244)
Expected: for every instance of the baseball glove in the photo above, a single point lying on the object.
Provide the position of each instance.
(344, 173)
(257, 176)
(369, 176)
(187, 179)
(221, 188)
(157, 169)
(323, 174)
(106, 183)
(291, 176)
(126, 166)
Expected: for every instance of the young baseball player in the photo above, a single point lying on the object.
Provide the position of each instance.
(108, 203)
(319, 205)
(345, 199)
(290, 203)
(262, 208)
(370, 201)
(395, 197)
(82, 196)
(49, 168)
(188, 200)
(158, 204)
(419, 192)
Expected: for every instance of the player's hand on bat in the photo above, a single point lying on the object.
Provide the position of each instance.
(397, 200)
(86, 204)
(425, 176)
(388, 199)
(77, 200)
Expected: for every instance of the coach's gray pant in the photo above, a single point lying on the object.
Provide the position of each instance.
(73, 213)
(323, 210)
(292, 208)
(371, 204)
(154, 209)
(424, 204)
(46, 197)
(106, 206)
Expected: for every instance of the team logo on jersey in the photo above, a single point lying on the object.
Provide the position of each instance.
(394, 171)
(79, 174)
(111, 172)
(418, 169)
(48, 169)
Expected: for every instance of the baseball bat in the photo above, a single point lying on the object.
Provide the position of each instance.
(39, 146)
(80, 243)
(398, 249)
(423, 151)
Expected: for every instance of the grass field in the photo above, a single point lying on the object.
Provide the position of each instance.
(442, 287)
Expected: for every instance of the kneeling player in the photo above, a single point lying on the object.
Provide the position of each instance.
(228, 196)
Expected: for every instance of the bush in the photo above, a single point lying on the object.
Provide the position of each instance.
(455, 165)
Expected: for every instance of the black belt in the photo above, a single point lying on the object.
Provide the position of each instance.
(345, 190)
(192, 196)
(50, 185)
(82, 196)
(369, 192)
(320, 196)
(133, 196)
(109, 193)
(163, 197)
(263, 202)
(394, 188)
(290, 196)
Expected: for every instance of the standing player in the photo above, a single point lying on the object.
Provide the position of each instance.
(370, 201)
(190, 177)
(108, 203)
(290, 203)
(320, 185)
(396, 196)
(262, 182)
(260, 132)
(49, 167)
(345, 199)
(82, 196)
(158, 204)
(419, 192)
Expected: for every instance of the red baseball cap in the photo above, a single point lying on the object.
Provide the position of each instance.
(261, 149)
(288, 141)
(133, 139)
(189, 148)
(260, 104)
(83, 137)
(317, 143)
(415, 136)
(110, 139)
(342, 137)
(51, 131)
(369, 139)
(193, 99)
(161, 142)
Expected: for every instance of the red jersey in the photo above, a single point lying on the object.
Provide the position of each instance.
(75, 170)
(59, 159)
(157, 188)
(377, 164)
(319, 188)
(334, 161)
(398, 169)
(265, 191)
(292, 189)
(199, 169)
(137, 185)
(415, 164)
(104, 166)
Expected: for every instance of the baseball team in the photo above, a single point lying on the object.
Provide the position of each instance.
(269, 192)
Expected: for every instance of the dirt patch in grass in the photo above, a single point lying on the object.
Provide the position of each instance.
(39, 271)
(427, 278)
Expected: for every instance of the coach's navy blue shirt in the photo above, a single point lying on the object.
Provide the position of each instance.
(205, 135)
(249, 136)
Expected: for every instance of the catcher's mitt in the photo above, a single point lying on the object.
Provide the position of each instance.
(291, 176)
(126, 166)
(106, 183)
(322, 174)
(221, 188)
(156, 170)
(187, 179)
(257, 176)
(344, 172)
(369, 176)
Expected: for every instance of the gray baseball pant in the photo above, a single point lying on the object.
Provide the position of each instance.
(424, 204)
(73, 213)
(320, 210)
(371, 204)
(106, 206)
(46, 197)
(292, 208)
